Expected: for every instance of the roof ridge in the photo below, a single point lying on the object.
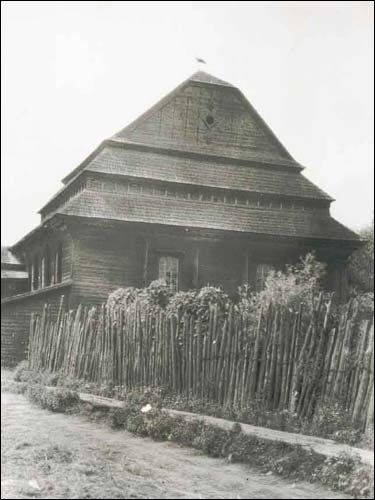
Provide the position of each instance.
(203, 77)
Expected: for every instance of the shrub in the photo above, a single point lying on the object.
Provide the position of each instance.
(24, 374)
(185, 431)
(158, 426)
(136, 424)
(199, 302)
(58, 400)
(156, 295)
(336, 471)
(213, 441)
(184, 303)
(332, 421)
(122, 297)
(118, 417)
(361, 264)
(93, 413)
(298, 283)
(361, 484)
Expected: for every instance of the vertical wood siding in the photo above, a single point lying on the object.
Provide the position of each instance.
(15, 322)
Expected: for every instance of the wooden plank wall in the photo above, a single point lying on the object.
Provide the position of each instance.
(103, 260)
(15, 322)
(13, 286)
(106, 259)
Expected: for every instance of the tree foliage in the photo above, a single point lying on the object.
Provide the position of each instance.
(361, 266)
(297, 284)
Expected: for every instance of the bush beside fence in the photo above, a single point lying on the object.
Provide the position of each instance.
(288, 359)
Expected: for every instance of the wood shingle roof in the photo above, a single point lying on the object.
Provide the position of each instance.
(207, 117)
(11, 267)
(150, 165)
(206, 134)
(197, 214)
(8, 258)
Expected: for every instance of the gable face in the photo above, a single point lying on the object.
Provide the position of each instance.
(209, 119)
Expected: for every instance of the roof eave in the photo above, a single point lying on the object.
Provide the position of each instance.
(81, 166)
(17, 247)
(127, 143)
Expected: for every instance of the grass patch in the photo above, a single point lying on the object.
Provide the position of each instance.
(345, 474)
(331, 421)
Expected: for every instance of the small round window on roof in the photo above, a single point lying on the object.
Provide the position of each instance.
(210, 120)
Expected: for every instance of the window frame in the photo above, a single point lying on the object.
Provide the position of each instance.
(172, 264)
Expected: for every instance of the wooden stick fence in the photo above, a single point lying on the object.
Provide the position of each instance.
(294, 360)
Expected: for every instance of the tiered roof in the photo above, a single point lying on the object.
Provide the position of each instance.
(204, 134)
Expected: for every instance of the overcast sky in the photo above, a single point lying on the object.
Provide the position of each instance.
(74, 73)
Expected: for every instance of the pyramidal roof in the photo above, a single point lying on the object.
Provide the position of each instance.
(207, 135)
(205, 116)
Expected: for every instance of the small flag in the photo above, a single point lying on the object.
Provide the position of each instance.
(202, 61)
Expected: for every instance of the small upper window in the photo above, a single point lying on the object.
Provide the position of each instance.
(168, 271)
(210, 120)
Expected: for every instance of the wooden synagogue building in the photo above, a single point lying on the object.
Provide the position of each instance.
(197, 190)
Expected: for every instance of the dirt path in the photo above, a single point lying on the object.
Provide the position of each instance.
(46, 455)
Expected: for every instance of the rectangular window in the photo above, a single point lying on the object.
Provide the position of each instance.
(168, 271)
(263, 271)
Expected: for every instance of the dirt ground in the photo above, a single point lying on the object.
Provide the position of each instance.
(47, 455)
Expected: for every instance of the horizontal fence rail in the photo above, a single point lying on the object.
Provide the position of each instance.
(286, 359)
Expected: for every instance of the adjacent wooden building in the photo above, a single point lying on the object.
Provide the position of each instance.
(197, 190)
(14, 276)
